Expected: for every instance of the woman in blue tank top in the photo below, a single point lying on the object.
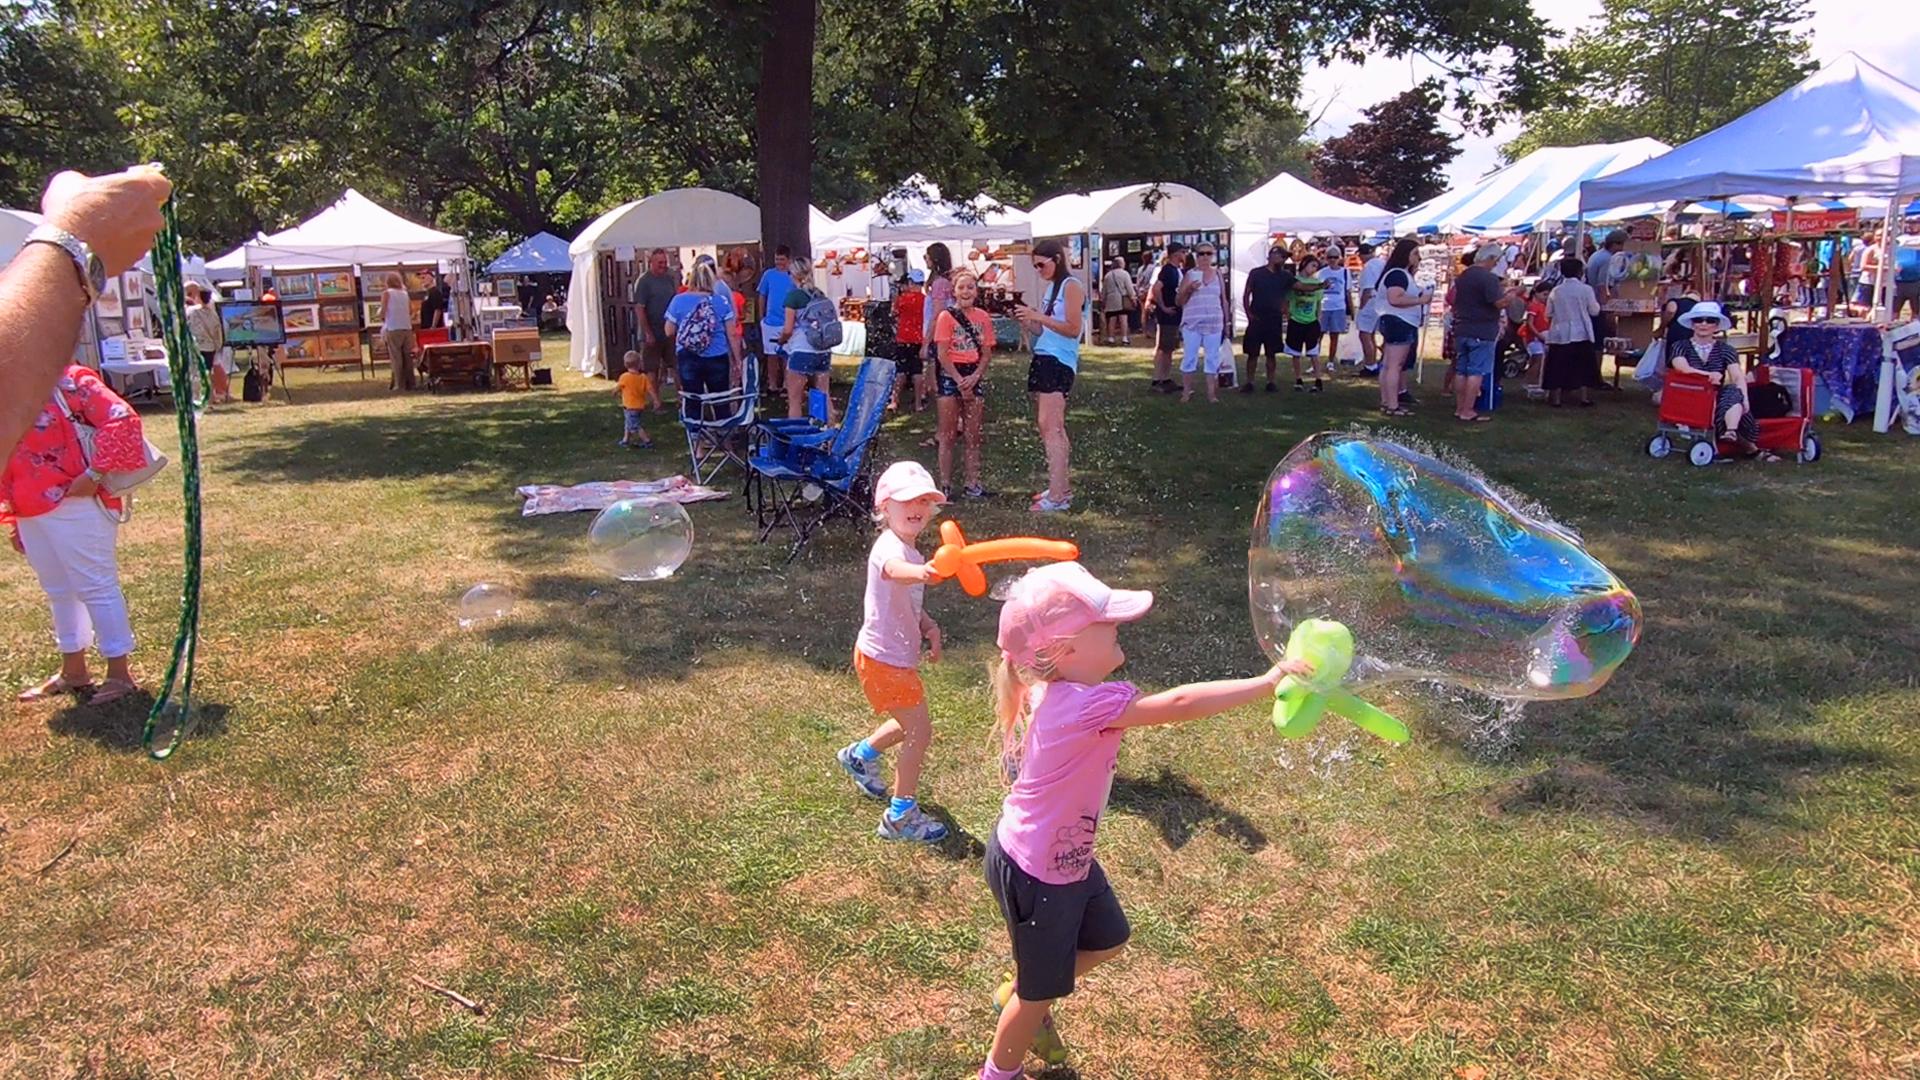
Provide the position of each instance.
(1056, 359)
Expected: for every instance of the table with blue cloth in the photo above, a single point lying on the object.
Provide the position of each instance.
(1845, 358)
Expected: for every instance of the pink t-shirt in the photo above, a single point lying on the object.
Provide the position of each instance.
(1048, 821)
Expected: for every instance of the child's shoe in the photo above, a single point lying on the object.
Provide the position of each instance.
(912, 825)
(866, 774)
(1047, 1044)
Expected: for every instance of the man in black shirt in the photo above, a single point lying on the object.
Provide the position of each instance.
(433, 306)
(1164, 303)
(1265, 302)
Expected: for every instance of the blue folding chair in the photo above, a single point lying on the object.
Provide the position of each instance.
(802, 478)
(719, 427)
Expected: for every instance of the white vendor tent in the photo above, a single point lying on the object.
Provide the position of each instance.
(1847, 129)
(356, 230)
(1540, 188)
(1288, 204)
(233, 265)
(14, 227)
(1177, 208)
(682, 217)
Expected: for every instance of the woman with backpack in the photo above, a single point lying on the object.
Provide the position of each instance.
(809, 356)
(1056, 360)
(706, 353)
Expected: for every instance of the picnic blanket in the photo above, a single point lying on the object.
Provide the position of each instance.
(600, 494)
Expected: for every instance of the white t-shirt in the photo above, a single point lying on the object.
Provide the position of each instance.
(397, 314)
(1413, 313)
(890, 631)
(1370, 273)
(1336, 292)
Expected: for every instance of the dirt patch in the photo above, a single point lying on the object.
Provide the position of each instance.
(1565, 785)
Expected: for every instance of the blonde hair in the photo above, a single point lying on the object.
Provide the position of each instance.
(395, 281)
(801, 271)
(703, 277)
(1012, 687)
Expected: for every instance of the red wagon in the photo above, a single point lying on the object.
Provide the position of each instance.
(1686, 414)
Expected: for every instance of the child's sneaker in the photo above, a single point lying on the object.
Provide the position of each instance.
(912, 825)
(1048, 1046)
(866, 774)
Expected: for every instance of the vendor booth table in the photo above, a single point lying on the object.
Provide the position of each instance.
(1845, 358)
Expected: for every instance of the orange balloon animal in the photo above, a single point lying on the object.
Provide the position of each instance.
(956, 558)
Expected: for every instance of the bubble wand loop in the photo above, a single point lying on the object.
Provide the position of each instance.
(957, 558)
(183, 363)
(1300, 704)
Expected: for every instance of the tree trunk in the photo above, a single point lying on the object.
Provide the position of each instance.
(783, 126)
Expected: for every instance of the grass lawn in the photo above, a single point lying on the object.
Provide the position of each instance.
(615, 818)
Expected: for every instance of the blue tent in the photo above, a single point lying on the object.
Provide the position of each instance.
(541, 253)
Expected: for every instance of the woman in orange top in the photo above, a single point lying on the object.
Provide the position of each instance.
(963, 336)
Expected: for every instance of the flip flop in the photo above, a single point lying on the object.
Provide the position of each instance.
(53, 687)
(1477, 418)
(112, 690)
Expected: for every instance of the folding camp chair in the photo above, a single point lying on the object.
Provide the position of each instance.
(804, 477)
(719, 426)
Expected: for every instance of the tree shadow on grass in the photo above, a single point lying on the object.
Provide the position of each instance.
(1180, 810)
(119, 725)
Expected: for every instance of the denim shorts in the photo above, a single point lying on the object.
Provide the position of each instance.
(1397, 331)
(809, 363)
(1473, 356)
(950, 388)
(633, 419)
(1333, 322)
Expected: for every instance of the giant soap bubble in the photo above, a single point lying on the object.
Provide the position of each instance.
(641, 539)
(1439, 575)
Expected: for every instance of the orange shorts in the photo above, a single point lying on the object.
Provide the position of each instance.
(888, 688)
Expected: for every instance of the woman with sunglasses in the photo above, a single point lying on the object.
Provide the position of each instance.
(1056, 360)
(1203, 323)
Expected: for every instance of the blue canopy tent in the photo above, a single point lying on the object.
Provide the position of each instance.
(541, 253)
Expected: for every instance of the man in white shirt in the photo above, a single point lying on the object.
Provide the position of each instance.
(1366, 321)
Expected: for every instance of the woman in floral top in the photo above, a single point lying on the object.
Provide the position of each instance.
(63, 519)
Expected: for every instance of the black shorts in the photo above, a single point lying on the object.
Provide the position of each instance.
(1265, 332)
(1050, 923)
(906, 359)
(1303, 338)
(1397, 331)
(949, 388)
(1169, 338)
(1047, 375)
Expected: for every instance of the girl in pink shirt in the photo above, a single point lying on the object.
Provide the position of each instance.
(1060, 721)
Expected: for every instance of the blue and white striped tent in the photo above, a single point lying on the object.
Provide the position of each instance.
(1541, 188)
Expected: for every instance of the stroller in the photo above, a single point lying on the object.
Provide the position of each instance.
(1686, 414)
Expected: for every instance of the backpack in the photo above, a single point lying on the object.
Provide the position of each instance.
(1770, 401)
(252, 388)
(700, 328)
(821, 321)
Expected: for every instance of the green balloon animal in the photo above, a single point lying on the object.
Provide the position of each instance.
(1300, 704)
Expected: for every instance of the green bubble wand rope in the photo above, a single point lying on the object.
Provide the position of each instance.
(184, 362)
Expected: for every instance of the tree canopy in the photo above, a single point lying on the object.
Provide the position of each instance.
(1394, 158)
(1668, 69)
(498, 118)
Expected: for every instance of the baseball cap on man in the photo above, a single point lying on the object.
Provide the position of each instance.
(1176, 246)
(904, 481)
(1490, 252)
(1052, 603)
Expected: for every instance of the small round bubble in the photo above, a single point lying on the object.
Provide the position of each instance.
(483, 604)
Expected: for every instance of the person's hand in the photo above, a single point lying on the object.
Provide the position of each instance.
(82, 487)
(933, 641)
(115, 215)
(1284, 668)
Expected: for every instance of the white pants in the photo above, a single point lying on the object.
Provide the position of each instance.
(71, 550)
(1192, 341)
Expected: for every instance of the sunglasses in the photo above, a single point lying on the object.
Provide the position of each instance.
(1204, 251)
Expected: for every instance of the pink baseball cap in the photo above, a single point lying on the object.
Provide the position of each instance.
(904, 481)
(1054, 602)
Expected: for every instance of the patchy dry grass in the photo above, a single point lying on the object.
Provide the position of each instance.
(614, 819)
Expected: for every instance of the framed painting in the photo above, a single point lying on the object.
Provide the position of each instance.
(112, 328)
(107, 304)
(339, 317)
(377, 345)
(376, 312)
(342, 347)
(294, 286)
(246, 323)
(137, 321)
(300, 318)
(304, 347)
(333, 284)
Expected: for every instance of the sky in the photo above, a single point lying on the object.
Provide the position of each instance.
(1341, 92)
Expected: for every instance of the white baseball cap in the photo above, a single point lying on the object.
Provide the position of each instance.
(904, 481)
(1490, 252)
(1051, 603)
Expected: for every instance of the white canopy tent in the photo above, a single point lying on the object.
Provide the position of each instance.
(354, 231)
(915, 215)
(233, 265)
(681, 217)
(1288, 204)
(14, 227)
(1175, 208)
(1539, 189)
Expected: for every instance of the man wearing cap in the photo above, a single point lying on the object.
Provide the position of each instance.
(1366, 322)
(1604, 274)
(1478, 299)
(1164, 303)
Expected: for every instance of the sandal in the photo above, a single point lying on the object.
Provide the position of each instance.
(52, 688)
(112, 690)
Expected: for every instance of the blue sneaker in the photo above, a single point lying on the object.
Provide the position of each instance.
(866, 774)
(912, 825)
